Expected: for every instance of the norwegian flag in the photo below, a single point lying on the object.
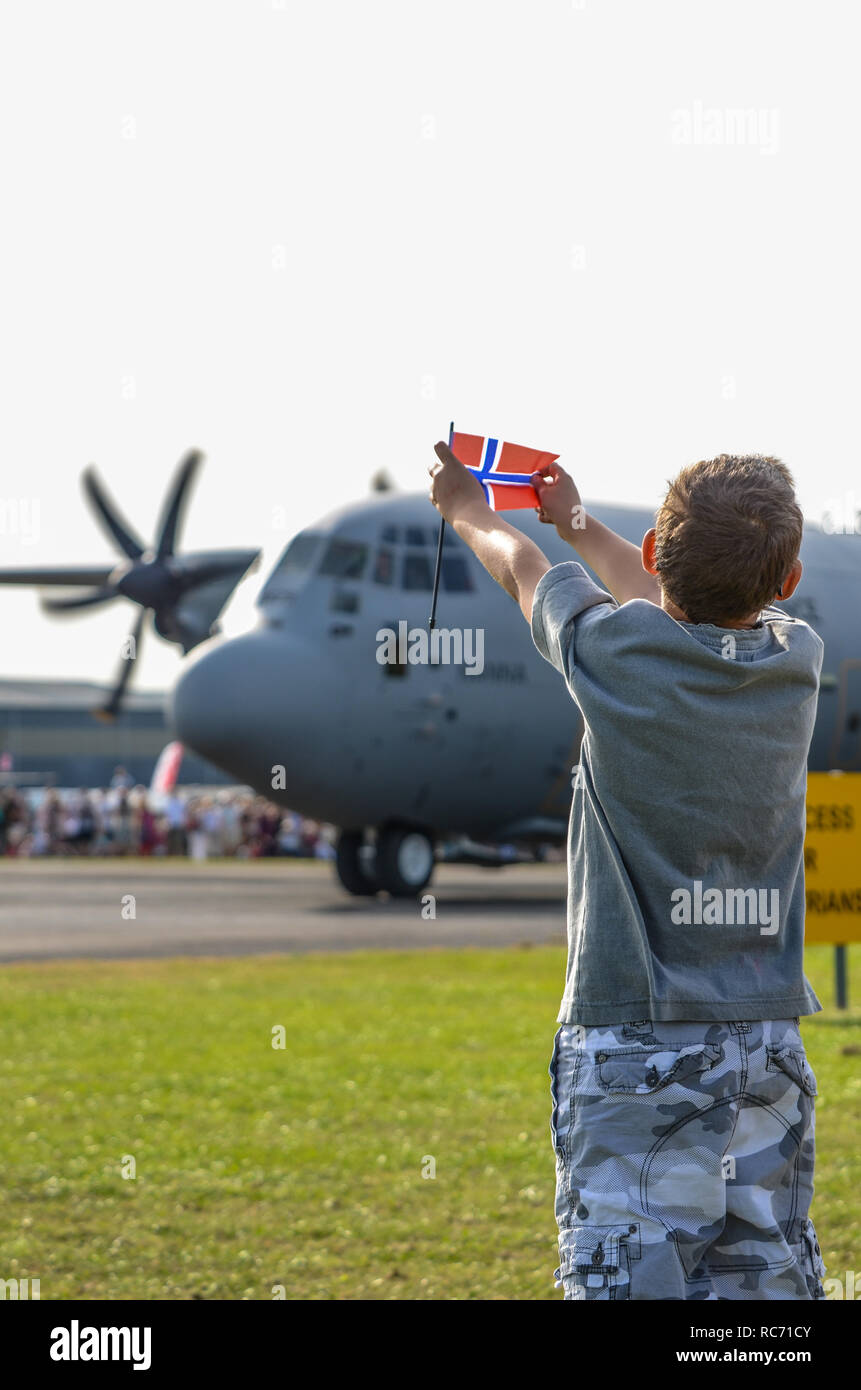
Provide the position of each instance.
(503, 469)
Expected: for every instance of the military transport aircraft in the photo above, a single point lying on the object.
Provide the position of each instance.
(400, 753)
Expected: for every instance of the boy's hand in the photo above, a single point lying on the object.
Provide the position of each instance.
(454, 489)
(617, 563)
(558, 496)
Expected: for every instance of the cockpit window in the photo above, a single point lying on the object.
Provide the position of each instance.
(384, 566)
(295, 562)
(456, 577)
(299, 553)
(345, 559)
(417, 572)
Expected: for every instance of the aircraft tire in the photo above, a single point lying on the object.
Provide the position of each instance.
(405, 861)
(349, 867)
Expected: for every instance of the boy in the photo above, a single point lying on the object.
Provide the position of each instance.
(682, 1117)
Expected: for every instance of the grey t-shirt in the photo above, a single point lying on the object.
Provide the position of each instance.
(685, 843)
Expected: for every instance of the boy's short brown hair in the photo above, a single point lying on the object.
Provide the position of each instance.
(726, 536)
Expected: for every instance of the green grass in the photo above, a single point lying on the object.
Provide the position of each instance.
(303, 1167)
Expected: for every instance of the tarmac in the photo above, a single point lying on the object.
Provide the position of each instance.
(127, 908)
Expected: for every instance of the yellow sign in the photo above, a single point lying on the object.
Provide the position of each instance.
(832, 858)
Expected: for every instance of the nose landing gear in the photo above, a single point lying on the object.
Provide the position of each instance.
(400, 863)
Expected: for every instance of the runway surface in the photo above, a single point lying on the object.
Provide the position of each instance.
(54, 908)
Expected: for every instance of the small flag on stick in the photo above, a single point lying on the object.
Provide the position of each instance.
(503, 469)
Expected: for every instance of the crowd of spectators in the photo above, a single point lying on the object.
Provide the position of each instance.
(124, 819)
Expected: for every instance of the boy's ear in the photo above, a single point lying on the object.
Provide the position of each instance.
(648, 552)
(790, 583)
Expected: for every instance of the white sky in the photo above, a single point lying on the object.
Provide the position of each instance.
(483, 210)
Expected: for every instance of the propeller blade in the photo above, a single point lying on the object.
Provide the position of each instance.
(111, 708)
(77, 574)
(68, 605)
(112, 518)
(175, 503)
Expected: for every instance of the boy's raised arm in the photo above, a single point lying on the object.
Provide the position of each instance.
(512, 559)
(618, 563)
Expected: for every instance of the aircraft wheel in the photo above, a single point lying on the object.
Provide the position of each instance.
(405, 861)
(351, 865)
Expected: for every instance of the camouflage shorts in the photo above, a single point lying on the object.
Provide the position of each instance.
(684, 1161)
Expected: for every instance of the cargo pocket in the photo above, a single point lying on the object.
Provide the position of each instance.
(595, 1261)
(640, 1072)
(812, 1262)
(793, 1061)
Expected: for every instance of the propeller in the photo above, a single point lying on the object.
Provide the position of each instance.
(110, 710)
(184, 593)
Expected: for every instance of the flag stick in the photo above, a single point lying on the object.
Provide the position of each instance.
(432, 619)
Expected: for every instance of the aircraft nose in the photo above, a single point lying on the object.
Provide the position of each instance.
(217, 709)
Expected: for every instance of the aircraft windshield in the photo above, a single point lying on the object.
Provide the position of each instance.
(345, 559)
(404, 560)
(293, 565)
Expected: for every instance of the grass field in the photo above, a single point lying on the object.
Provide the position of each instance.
(302, 1166)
